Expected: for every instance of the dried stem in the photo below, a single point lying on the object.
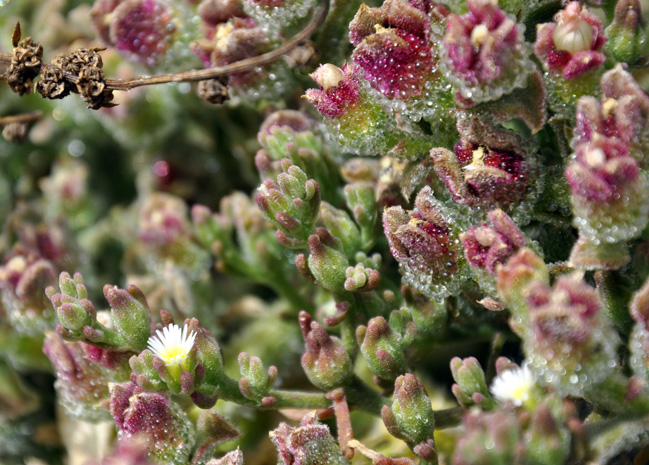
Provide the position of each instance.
(22, 118)
(208, 73)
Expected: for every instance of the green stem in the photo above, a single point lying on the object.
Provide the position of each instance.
(290, 293)
(299, 399)
(229, 391)
(497, 343)
(448, 418)
(113, 338)
(348, 325)
(364, 398)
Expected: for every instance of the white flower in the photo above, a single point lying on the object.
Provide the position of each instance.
(513, 385)
(172, 345)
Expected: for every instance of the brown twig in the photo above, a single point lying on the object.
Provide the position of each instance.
(22, 118)
(208, 73)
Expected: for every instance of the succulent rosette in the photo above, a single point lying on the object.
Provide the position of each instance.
(607, 175)
(236, 39)
(571, 50)
(484, 53)
(607, 191)
(159, 420)
(395, 47)
(310, 443)
(142, 29)
(488, 168)
(82, 383)
(358, 123)
(426, 244)
(277, 16)
(22, 278)
(571, 344)
(622, 113)
(489, 245)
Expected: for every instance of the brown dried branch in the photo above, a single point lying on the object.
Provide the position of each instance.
(203, 74)
(22, 118)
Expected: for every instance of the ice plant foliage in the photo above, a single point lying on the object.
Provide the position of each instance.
(332, 206)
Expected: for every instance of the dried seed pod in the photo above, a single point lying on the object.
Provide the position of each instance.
(53, 84)
(92, 87)
(25, 65)
(15, 132)
(214, 90)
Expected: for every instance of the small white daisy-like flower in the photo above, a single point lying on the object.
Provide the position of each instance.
(513, 385)
(172, 344)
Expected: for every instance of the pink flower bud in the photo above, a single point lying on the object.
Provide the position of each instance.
(573, 44)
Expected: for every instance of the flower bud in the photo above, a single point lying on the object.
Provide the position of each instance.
(340, 225)
(360, 278)
(383, 348)
(393, 48)
(291, 204)
(513, 279)
(241, 38)
(471, 386)
(411, 417)
(208, 354)
(130, 315)
(488, 246)
(162, 221)
(607, 186)
(77, 315)
(256, 381)
(571, 50)
(622, 114)
(22, 279)
(326, 362)
(310, 443)
(142, 29)
(627, 34)
(327, 261)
